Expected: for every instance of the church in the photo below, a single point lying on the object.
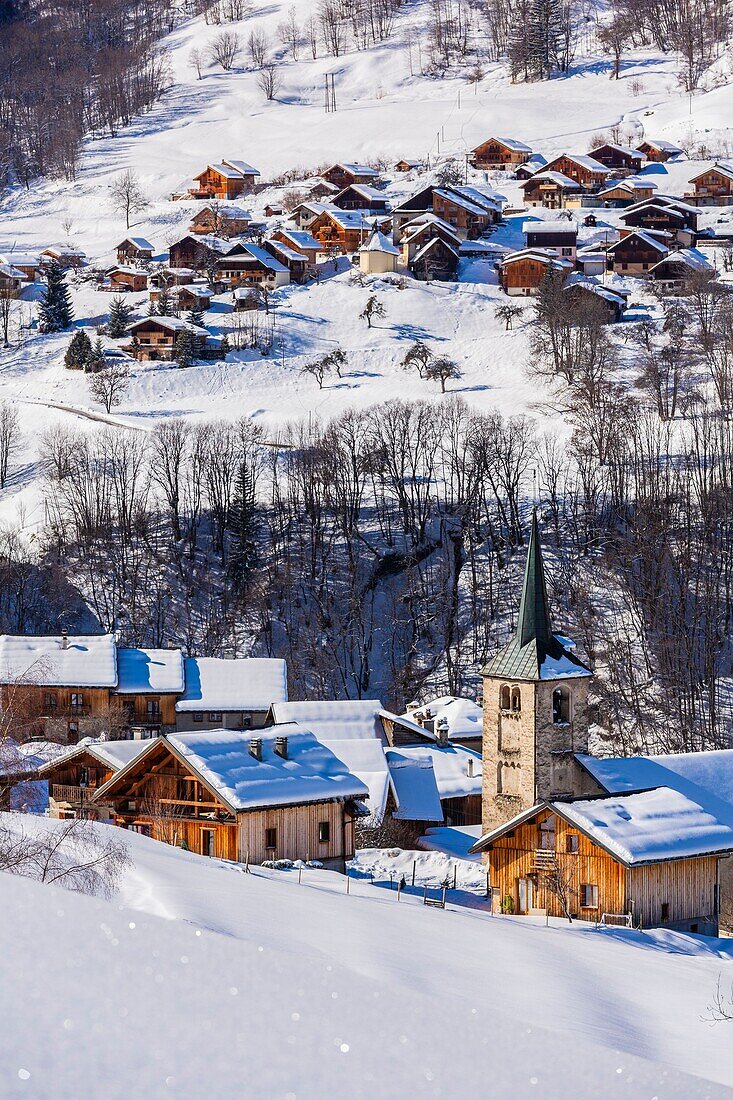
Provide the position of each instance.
(642, 841)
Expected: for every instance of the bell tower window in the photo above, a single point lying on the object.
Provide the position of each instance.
(560, 706)
(516, 700)
(504, 697)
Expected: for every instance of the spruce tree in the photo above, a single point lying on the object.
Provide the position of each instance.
(184, 351)
(96, 359)
(196, 316)
(55, 312)
(119, 317)
(163, 305)
(79, 352)
(225, 346)
(243, 552)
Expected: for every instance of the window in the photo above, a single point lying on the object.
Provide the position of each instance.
(198, 716)
(77, 699)
(270, 839)
(560, 705)
(504, 697)
(571, 842)
(324, 832)
(152, 709)
(665, 910)
(215, 716)
(516, 700)
(72, 733)
(547, 834)
(588, 896)
(50, 700)
(208, 847)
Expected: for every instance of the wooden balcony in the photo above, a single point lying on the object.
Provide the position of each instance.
(61, 792)
(544, 859)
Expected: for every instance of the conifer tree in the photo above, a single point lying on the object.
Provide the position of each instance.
(96, 359)
(163, 306)
(185, 348)
(119, 317)
(196, 316)
(243, 558)
(55, 312)
(79, 352)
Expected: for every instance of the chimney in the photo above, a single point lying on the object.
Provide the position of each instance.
(469, 769)
(442, 731)
(281, 747)
(412, 706)
(64, 639)
(255, 747)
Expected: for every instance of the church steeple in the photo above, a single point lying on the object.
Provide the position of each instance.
(535, 652)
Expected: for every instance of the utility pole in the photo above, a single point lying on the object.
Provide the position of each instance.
(330, 93)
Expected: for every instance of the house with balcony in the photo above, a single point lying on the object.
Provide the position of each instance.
(74, 777)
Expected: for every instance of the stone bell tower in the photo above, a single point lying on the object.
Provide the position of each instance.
(535, 709)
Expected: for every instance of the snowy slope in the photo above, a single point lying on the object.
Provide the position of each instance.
(199, 981)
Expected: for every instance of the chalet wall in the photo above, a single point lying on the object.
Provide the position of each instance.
(687, 886)
(297, 833)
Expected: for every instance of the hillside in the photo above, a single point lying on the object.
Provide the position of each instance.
(197, 979)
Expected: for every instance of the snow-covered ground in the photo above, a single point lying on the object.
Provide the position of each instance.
(383, 112)
(198, 980)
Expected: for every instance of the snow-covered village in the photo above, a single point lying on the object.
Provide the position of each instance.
(366, 549)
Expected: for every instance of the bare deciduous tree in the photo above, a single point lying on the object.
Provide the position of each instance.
(108, 385)
(224, 49)
(269, 80)
(127, 196)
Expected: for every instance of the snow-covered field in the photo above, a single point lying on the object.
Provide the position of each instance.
(198, 980)
(383, 112)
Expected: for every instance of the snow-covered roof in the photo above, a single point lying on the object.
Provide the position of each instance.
(261, 255)
(309, 773)
(423, 221)
(584, 161)
(233, 684)
(149, 670)
(333, 719)
(414, 785)
(664, 202)
(625, 149)
(649, 827)
(544, 255)
(662, 145)
(301, 239)
(692, 258)
(11, 272)
(725, 170)
(558, 225)
(225, 208)
(233, 169)
(509, 143)
(139, 242)
(434, 242)
(451, 767)
(68, 250)
(83, 660)
(642, 235)
(464, 717)
(195, 289)
(365, 758)
(553, 177)
(379, 242)
(125, 269)
(112, 754)
(28, 756)
(353, 219)
(173, 324)
(288, 254)
(356, 169)
(364, 191)
(692, 773)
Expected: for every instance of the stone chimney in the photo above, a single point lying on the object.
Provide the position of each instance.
(469, 768)
(281, 747)
(64, 638)
(255, 747)
(442, 730)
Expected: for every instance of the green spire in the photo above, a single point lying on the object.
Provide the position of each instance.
(535, 652)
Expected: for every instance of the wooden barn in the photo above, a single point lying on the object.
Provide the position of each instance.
(220, 218)
(278, 795)
(651, 857)
(134, 248)
(226, 180)
(300, 241)
(672, 272)
(636, 252)
(67, 255)
(552, 190)
(626, 192)
(713, 187)
(618, 158)
(521, 273)
(500, 154)
(586, 171)
(127, 279)
(75, 776)
(344, 175)
(11, 281)
(656, 149)
(664, 216)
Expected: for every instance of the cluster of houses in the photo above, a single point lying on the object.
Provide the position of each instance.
(211, 755)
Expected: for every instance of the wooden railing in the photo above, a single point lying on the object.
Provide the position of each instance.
(61, 792)
(544, 859)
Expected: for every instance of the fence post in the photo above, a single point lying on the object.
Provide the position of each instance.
(455, 872)
(300, 872)
(414, 865)
(348, 882)
(399, 888)
(488, 888)
(444, 897)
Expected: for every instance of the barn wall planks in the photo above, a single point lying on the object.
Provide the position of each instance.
(686, 886)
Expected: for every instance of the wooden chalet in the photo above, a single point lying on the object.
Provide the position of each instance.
(250, 265)
(586, 171)
(626, 192)
(26, 263)
(222, 219)
(636, 252)
(664, 215)
(11, 281)
(469, 211)
(296, 263)
(521, 273)
(273, 210)
(359, 196)
(561, 236)
(344, 175)
(322, 191)
(226, 180)
(435, 259)
(415, 235)
(75, 776)
(300, 241)
(305, 213)
(247, 298)
(134, 248)
(225, 693)
(67, 255)
(536, 163)
(552, 190)
(584, 291)
(500, 154)
(651, 857)
(659, 150)
(278, 795)
(445, 720)
(196, 253)
(344, 231)
(191, 296)
(618, 158)
(678, 267)
(407, 165)
(127, 279)
(154, 338)
(171, 276)
(713, 187)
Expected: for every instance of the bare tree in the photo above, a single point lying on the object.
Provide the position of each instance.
(317, 368)
(269, 80)
(197, 59)
(9, 439)
(508, 313)
(442, 369)
(127, 196)
(108, 386)
(224, 49)
(289, 33)
(257, 46)
(6, 310)
(75, 854)
(373, 308)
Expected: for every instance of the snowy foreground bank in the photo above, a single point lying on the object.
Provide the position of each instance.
(200, 981)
